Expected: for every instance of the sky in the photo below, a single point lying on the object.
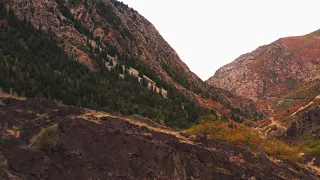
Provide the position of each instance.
(208, 34)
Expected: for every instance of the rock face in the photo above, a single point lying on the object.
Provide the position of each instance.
(272, 70)
(307, 124)
(94, 145)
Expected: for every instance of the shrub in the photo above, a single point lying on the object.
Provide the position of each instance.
(281, 150)
(47, 139)
(3, 160)
(311, 147)
(243, 135)
(223, 171)
(301, 174)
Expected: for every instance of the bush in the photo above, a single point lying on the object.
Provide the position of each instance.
(3, 160)
(47, 139)
(282, 150)
(311, 147)
(243, 135)
(301, 174)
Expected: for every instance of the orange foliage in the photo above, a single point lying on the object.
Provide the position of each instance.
(308, 47)
(284, 113)
(256, 64)
(219, 107)
(241, 134)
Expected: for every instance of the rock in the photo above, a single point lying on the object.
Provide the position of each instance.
(2, 103)
(1, 4)
(306, 124)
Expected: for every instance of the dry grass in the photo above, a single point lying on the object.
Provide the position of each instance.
(94, 116)
(13, 132)
(149, 135)
(42, 116)
(223, 171)
(12, 95)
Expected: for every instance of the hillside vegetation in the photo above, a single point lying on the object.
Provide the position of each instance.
(33, 65)
(246, 136)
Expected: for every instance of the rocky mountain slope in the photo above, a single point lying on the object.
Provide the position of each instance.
(284, 78)
(107, 25)
(93, 54)
(295, 112)
(40, 139)
(97, 54)
(273, 70)
(103, 55)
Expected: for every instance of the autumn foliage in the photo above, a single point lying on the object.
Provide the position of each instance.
(307, 46)
(243, 135)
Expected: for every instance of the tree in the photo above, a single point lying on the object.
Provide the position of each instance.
(224, 118)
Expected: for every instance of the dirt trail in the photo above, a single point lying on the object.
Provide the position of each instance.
(315, 169)
(273, 121)
(306, 106)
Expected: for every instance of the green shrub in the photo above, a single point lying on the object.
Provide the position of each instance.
(300, 174)
(47, 139)
(311, 147)
(3, 160)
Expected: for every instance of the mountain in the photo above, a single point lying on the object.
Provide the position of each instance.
(283, 78)
(111, 26)
(90, 90)
(97, 54)
(40, 139)
(273, 70)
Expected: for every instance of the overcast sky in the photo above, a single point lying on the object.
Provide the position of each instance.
(208, 34)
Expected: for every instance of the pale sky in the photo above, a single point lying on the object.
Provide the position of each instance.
(208, 34)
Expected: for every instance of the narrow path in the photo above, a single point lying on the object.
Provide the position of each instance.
(275, 122)
(306, 106)
(315, 169)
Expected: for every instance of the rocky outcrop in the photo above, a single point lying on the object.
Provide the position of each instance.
(96, 145)
(308, 123)
(273, 70)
